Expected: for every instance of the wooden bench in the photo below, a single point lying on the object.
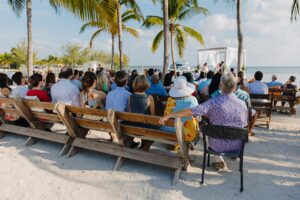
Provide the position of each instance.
(37, 122)
(112, 124)
(262, 103)
(289, 98)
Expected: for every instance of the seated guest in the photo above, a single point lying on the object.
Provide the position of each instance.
(203, 86)
(242, 83)
(64, 91)
(134, 74)
(37, 83)
(168, 81)
(225, 110)
(150, 73)
(117, 99)
(290, 84)
(190, 79)
(258, 87)
(75, 80)
(213, 88)
(181, 98)
(22, 88)
(50, 81)
(102, 82)
(140, 102)
(196, 74)
(274, 83)
(5, 90)
(156, 88)
(201, 78)
(89, 97)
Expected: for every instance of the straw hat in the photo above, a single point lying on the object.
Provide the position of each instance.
(181, 87)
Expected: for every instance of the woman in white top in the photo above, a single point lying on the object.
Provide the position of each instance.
(89, 97)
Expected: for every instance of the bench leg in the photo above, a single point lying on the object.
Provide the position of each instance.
(119, 163)
(176, 175)
(30, 141)
(74, 150)
(2, 134)
(66, 147)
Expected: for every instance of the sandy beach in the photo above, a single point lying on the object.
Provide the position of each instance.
(272, 171)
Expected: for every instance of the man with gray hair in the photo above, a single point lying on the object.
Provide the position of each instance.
(225, 110)
(274, 82)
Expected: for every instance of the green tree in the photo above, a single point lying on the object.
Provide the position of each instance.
(6, 59)
(111, 27)
(179, 10)
(295, 11)
(75, 54)
(19, 54)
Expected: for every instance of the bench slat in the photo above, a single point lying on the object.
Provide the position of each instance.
(39, 104)
(90, 124)
(54, 137)
(87, 111)
(117, 150)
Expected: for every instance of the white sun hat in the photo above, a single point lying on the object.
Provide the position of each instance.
(181, 88)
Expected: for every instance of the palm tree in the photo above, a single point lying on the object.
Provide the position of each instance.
(111, 27)
(240, 58)
(178, 11)
(18, 6)
(295, 10)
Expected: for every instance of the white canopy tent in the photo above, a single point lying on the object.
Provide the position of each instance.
(213, 56)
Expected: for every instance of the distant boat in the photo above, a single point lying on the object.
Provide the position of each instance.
(181, 66)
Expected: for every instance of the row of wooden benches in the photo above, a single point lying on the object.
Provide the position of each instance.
(79, 121)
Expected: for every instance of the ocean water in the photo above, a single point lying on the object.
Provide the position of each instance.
(283, 73)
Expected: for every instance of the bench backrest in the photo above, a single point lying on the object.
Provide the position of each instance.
(148, 127)
(264, 101)
(283, 94)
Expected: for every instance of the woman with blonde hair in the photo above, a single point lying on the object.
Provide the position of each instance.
(102, 82)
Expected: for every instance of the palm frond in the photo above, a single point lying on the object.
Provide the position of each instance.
(295, 10)
(151, 21)
(131, 15)
(157, 40)
(91, 24)
(131, 31)
(190, 11)
(98, 32)
(194, 34)
(17, 6)
(180, 40)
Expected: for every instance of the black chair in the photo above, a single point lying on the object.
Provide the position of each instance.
(223, 132)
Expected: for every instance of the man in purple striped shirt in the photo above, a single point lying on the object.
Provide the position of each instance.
(225, 110)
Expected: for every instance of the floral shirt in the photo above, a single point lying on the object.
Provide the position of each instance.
(225, 110)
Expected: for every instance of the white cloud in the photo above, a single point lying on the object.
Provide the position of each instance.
(218, 22)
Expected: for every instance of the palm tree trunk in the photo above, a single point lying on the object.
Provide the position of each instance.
(120, 32)
(29, 38)
(112, 52)
(166, 37)
(172, 53)
(240, 35)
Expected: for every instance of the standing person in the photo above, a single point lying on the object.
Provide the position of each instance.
(258, 87)
(22, 88)
(89, 96)
(75, 79)
(64, 91)
(117, 99)
(5, 90)
(141, 103)
(225, 110)
(37, 83)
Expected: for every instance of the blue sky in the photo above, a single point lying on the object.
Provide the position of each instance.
(270, 38)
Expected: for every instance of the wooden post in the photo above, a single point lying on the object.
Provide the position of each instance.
(116, 135)
(73, 129)
(182, 143)
(26, 113)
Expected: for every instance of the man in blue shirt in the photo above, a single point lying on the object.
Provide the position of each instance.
(117, 99)
(258, 87)
(156, 87)
(274, 82)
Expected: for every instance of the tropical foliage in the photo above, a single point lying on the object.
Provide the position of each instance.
(111, 27)
(179, 10)
(295, 10)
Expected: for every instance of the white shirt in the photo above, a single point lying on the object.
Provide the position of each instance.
(258, 87)
(19, 91)
(66, 92)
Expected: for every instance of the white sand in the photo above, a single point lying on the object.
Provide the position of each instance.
(272, 171)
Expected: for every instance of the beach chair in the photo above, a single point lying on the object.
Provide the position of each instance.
(263, 104)
(228, 133)
(36, 121)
